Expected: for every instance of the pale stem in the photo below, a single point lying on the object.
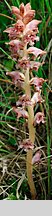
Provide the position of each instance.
(31, 137)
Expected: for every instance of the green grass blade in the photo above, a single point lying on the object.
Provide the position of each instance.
(48, 6)
(8, 5)
(7, 54)
(48, 145)
(16, 3)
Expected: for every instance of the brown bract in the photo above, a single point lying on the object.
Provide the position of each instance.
(28, 16)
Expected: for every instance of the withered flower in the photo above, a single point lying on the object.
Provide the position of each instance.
(26, 144)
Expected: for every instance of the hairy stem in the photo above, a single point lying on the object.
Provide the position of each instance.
(31, 137)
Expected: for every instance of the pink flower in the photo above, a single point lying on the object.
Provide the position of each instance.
(16, 43)
(20, 112)
(26, 144)
(24, 63)
(15, 32)
(16, 76)
(24, 100)
(15, 47)
(37, 82)
(12, 32)
(36, 157)
(39, 117)
(35, 65)
(30, 37)
(36, 98)
(28, 16)
(19, 26)
(24, 13)
(35, 51)
(31, 26)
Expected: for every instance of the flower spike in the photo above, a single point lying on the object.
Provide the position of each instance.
(22, 37)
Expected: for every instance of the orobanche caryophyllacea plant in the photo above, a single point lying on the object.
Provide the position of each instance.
(22, 36)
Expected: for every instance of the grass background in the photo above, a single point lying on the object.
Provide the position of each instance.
(13, 180)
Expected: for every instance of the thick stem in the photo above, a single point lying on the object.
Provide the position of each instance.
(29, 174)
(31, 137)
